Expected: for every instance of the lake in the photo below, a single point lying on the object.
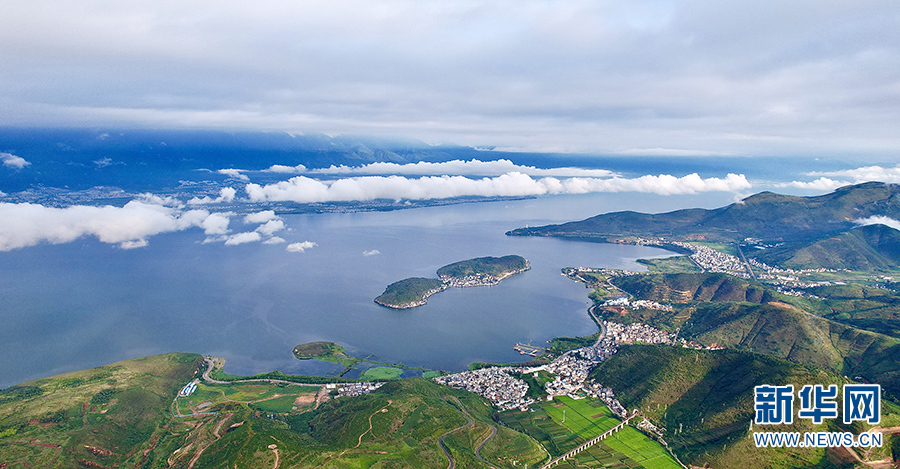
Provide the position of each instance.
(83, 304)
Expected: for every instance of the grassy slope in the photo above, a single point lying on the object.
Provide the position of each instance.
(873, 247)
(711, 395)
(874, 309)
(736, 313)
(128, 418)
(418, 413)
(50, 421)
(693, 287)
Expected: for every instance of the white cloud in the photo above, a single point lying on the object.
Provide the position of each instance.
(864, 173)
(278, 168)
(2, 194)
(30, 224)
(168, 201)
(302, 189)
(216, 224)
(270, 227)
(274, 240)
(13, 161)
(226, 194)
(823, 183)
(260, 217)
(300, 247)
(472, 167)
(138, 243)
(372, 252)
(234, 173)
(242, 238)
(878, 220)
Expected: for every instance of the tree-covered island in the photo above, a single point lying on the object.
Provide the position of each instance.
(412, 292)
(409, 292)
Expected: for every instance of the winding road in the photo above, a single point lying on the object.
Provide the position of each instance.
(471, 421)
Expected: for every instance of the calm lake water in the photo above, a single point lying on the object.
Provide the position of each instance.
(84, 304)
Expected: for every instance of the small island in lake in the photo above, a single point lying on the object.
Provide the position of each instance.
(409, 292)
(481, 271)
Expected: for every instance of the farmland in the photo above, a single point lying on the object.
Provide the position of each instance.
(566, 423)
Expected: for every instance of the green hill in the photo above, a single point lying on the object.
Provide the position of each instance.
(872, 247)
(693, 287)
(726, 311)
(494, 266)
(709, 395)
(114, 415)
(409, 292)
(874, 309)
(766, 215)
(121, 415)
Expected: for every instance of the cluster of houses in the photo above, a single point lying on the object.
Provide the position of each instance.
(644, 304)
(474, 280)
(639, 332)
(570, 370)
(494, 384)
(354, 389)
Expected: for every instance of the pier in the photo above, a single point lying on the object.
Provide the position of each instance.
(528, 349)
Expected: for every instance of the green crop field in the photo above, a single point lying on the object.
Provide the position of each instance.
(281, 404)
(639, 448)
(585, 419)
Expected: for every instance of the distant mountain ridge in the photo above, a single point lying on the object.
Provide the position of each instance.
(766, 215)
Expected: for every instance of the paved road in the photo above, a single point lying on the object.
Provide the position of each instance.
(441, 444)
(481, 445)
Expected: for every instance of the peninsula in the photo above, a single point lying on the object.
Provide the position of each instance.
(481, 271)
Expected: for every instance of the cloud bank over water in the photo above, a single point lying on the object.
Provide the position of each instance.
(471, 167)
(302, 189)
(128, 227)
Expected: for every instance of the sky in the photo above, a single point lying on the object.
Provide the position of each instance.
(685, 78)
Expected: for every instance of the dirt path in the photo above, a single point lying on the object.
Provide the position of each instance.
(274, 449)
(359, 442)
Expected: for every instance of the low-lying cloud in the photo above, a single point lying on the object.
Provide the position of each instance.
(472, 167)
(371, 252)
(823, 183)
(13, 161)
(243, 238)
(226, 194)
(261, 217)
(234, 174)
(129, 226)
(278, 168)
(864, 173)
(302, 189)
(879, 220)
(830, 180)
